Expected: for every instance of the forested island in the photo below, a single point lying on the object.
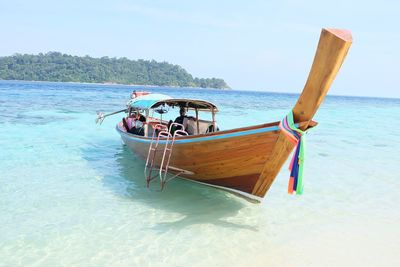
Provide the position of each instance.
(58, 67)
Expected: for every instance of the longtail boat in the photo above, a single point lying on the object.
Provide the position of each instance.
(242, 160)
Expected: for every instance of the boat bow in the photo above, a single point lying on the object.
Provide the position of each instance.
(331, 51)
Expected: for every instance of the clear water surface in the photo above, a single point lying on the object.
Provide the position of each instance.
(72, 195)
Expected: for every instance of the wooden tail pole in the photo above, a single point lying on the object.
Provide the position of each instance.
(331, 51)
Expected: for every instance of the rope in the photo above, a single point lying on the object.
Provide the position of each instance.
(297, 137)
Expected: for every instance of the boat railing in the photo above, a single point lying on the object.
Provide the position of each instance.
(178, 127)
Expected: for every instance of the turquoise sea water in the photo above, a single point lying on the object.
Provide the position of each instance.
(72, 195)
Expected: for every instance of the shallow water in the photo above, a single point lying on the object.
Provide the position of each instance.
(72, 195)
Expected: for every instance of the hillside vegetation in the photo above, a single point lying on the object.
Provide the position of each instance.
(58, 67)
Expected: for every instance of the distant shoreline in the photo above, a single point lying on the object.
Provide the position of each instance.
(119, 84)
(200, 88)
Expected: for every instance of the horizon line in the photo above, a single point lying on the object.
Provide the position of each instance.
(200, 88)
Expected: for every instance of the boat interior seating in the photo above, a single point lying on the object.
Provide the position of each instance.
(204, 127)
(132, 130)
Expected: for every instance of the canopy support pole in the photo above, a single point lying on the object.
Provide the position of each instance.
(214, 123)
(146, 125)
(197, 121)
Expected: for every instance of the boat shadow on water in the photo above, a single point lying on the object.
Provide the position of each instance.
(123, 173)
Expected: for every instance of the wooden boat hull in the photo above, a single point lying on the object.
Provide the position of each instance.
(233, 159)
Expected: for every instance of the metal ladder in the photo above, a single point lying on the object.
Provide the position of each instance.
(151, 155)
(165, 135)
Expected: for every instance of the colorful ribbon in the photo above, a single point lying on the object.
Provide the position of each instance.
(297, 137)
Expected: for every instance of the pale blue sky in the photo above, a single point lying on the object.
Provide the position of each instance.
(253, 45)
